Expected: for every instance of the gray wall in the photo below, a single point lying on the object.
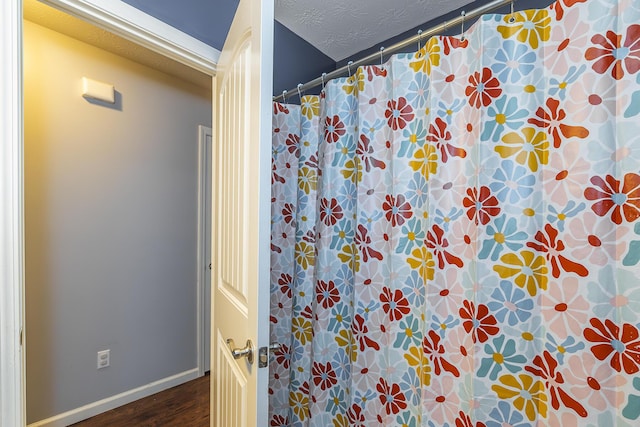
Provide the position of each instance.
(296, 61)
(110, 201)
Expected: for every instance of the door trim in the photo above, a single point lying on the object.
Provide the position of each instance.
(111, 15)
(204, 172)
(11, 218)
(136, 26)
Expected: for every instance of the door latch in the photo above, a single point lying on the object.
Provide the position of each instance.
(263, 354)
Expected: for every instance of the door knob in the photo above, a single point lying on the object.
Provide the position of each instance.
(237, 353)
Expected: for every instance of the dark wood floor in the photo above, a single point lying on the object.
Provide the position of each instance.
(184, 405)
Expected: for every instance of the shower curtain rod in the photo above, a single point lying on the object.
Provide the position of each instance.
(437, 29)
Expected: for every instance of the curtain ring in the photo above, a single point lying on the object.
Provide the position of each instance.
(322, 79)
(349, 67)
(462, 31)
(299, 94)
(381, 52)
(512, 19)
(284, 96)
(419, 39)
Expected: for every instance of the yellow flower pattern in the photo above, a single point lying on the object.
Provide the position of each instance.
(427, 57)
(305, 254)
(307, 179)
(310, 106)
(302, 329)
(422, 260)
(426, 161)
(418, 360)
(530, 148)
(528, 394)
(529, 26)
(528, 269)
(355, 82)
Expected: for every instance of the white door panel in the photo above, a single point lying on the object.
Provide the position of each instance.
(241, 216)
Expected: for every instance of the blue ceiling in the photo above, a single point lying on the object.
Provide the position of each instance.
(205, 20)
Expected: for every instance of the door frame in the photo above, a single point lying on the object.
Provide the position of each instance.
(12, 407)
(111, 15)
(205, 173)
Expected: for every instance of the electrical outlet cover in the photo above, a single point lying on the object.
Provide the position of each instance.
(103, 359)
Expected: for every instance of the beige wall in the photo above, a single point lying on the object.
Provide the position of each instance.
(110, 200)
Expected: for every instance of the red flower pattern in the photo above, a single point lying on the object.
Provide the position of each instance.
(391, 397)
(435, 352)
(365, 152)
(435, 240)
(280, 108)
(293, 143)
(545, 367)
(548, 243)
(552, 118)
(333, 129)
(449, 43)
(363, 241)
(479, 323)
(275, 176)
(323, 375)
(279, 421)
(398, 113)
(482, 205)
(439, 135)
(355, 416)
(282, 356)
(360, 333)
(622, 344)
(615, 54)
(285, 281)
(374, 70)
(618, 199)
(464, 420)
(327, 293)
(397, 209)
(483, 88)
(289, 213)
(330, 211)
(559, 5)
(394, 303)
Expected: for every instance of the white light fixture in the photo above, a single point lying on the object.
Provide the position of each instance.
(98, 90)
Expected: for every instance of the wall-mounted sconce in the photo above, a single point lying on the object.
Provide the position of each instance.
(98, 90)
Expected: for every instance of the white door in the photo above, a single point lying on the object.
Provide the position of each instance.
(241, 218)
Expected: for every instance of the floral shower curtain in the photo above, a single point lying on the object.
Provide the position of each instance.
(455, 233)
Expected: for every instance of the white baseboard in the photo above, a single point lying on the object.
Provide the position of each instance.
(95, 408)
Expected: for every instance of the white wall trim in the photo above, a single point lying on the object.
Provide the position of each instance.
(11, 216)
(95, 408)
(134, 25)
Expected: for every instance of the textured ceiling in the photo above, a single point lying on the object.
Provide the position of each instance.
(63, 23)
(342, 28)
